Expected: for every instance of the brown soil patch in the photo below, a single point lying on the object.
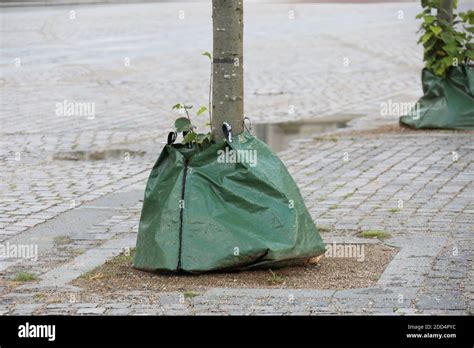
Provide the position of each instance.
(323, 273)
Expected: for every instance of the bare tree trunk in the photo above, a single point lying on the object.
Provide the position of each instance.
(228, 72)
(445, 10)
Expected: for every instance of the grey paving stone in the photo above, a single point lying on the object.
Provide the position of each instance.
(99, 310)
(118, 311)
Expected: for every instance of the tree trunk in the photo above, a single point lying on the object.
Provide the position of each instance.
(445, 10)
(228, 72)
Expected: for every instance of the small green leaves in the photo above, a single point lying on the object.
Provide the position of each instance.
(201, 110)
(198, 138)
(190, 137)
(451, 48)
(468, 17)
(182, 106)
(435, 29)
(426, 37)
(445, 43)
(207, 54)
(183, 124)
(429, 19)
(203, 137)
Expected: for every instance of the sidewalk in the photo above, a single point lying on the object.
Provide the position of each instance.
(81, 213)
(432, 272)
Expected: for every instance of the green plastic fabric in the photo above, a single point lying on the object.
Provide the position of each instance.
(235, 215)
(447, 103)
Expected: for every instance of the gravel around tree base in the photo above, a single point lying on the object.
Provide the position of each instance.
(319, 273)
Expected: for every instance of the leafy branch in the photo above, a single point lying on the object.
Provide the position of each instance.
(184, 124)
(446, 44)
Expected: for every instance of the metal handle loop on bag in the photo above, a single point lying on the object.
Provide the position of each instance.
(171, 137)
(227, 129)
(249, 127)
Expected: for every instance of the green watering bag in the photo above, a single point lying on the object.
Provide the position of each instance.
(447, 102)
(232, 205)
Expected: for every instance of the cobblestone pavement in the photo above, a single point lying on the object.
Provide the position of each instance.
(302, 61)
(351, 184)
(294, 69)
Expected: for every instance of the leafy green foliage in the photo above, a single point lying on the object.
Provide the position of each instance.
(445, 44)
(184, 124)
(190, 137)
(207, 54)
(201, 110)
(200, 138)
